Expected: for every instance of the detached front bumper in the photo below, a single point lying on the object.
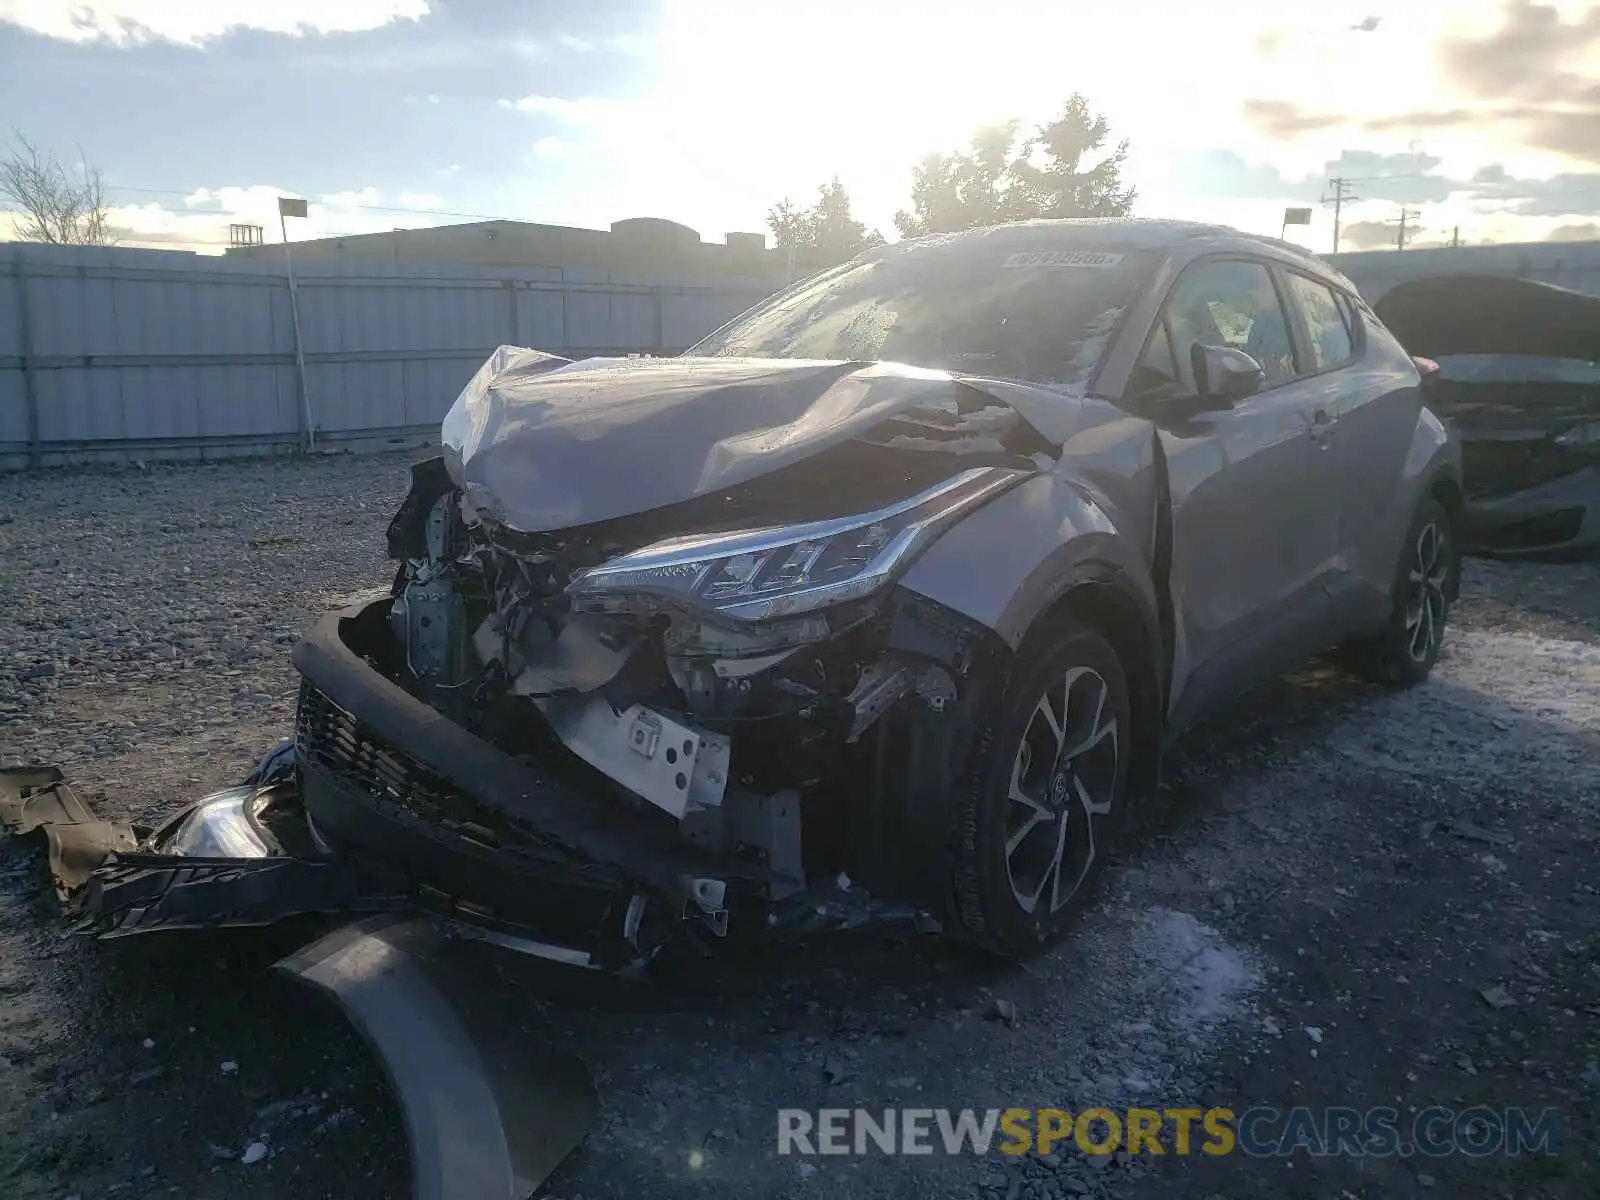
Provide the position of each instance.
(218, 862)
(489, 1110)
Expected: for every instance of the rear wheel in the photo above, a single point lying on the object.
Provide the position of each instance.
(1404, 653)
(1046, 795)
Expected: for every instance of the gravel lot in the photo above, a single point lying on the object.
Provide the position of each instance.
(1325, 857)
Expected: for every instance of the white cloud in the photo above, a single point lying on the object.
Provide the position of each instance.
(541, 50)
(681, 149)
(256, 202)
(365, 197)
(549, 147)
(193, 22)
(582, 109)
(201, 223)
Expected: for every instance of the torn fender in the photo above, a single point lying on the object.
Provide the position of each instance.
(490, 1107)
(1009, 561)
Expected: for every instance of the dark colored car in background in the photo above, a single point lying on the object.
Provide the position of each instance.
(1519, 379)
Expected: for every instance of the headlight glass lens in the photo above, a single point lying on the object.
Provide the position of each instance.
(763, 574)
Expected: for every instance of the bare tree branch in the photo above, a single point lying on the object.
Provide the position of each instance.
(57, 205)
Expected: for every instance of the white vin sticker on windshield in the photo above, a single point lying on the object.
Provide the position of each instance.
(1061, 258)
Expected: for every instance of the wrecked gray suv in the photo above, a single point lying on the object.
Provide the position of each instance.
(884, 598)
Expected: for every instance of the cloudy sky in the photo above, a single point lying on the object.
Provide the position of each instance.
(1483, 114)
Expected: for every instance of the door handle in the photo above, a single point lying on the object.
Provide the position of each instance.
(1322, 423)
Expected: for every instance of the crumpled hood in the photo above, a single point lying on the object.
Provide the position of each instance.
(539, 442)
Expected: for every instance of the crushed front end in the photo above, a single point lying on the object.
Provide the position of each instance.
(645, 675)
(645, 672)
(603, 738)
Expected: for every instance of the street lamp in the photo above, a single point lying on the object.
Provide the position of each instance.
(294, 206)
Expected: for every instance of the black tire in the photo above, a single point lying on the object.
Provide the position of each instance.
(990, 885)
(1403, 654)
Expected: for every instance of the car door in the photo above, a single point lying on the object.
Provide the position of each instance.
(1375, 408)
(1252, 527)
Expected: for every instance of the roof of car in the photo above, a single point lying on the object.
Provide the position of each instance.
(1122, 233)
(1084, 231)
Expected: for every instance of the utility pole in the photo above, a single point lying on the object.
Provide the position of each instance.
(1406, 215)
(1340, 188)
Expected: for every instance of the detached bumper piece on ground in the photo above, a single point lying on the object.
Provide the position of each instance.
(243, 856)
(489, 1108)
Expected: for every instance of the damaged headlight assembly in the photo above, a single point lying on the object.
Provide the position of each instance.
(758, 575)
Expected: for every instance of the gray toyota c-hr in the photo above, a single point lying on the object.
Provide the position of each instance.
(884, 597)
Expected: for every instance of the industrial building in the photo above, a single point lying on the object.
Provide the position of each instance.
(639, 249)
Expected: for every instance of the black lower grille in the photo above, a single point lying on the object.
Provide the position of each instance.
(333, 739)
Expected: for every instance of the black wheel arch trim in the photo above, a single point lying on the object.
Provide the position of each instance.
(1148, 675)
(1449, 473)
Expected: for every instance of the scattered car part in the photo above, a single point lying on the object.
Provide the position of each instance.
(241, 856)
(490, 1108)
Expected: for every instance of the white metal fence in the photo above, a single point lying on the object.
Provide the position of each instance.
(140, 354)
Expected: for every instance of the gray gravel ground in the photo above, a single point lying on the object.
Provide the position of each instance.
(1325, 856)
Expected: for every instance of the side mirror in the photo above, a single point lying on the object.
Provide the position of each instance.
(1223, 374)
(1428, 372)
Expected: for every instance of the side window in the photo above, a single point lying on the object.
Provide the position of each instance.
(1230, 303)
(1331, 345)
(1156, 367)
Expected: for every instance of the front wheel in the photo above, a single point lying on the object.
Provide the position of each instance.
(1404, 652)
(1046, 792)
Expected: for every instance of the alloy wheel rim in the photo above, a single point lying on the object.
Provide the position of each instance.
(1063, 784)
(1425, 593)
